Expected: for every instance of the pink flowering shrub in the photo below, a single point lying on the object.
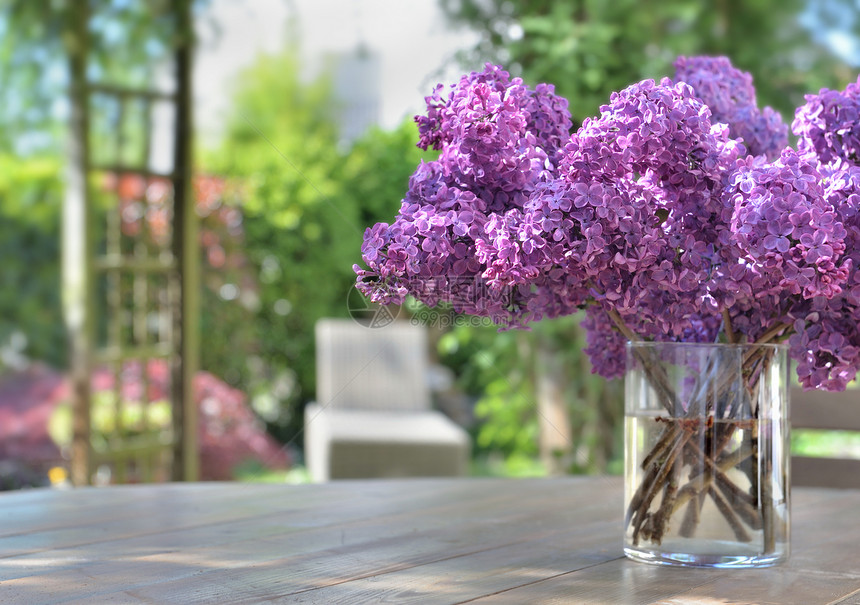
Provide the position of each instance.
(677, 214)
(229, 432)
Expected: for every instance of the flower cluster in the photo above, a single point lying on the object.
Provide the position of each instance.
(676, 214)
(789, 236)
(828, 126)
(793, 264)
(634, 220)
(644, 176)
(499, 141)
(826, 339)
(730, 95)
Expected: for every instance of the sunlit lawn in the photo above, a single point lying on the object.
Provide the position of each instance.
(819, 443)
(256, 473)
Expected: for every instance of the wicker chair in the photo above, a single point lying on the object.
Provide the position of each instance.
(373, 417)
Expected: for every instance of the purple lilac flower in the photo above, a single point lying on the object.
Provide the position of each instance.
(652, 214)
(842, 192)
(828, 126)
(499, 141)
(645, 178)
(730, 95)
(786, 232)
(826, 339)
(825, 344)
(605, 346)
(633, 222)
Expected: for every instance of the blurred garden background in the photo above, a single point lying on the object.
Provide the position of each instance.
(303, 137)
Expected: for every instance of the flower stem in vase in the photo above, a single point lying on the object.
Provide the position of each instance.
(695, 479)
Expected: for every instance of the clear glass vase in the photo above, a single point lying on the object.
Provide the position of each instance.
(706, 454)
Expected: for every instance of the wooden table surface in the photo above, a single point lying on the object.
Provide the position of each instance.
(398, 541)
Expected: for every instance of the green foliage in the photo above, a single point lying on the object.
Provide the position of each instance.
(502, 369)
(507, 405)
(305, 204)
(128, 42)
(254, 472)
(589, 48)
(30, 204)
(818, 443)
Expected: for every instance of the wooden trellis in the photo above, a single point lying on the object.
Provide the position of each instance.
(131, 299)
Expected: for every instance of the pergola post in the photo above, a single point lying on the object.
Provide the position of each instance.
(149, 300)
(186, 252)
(77, 255)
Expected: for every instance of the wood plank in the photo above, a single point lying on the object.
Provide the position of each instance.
(459, 579)
(122, 91)
(342, 565)
(154, 512)
(620, 582)
(424, 541)
(784, 587)
(824, 532)
(142, 525)
(433, 533)
(626, 582)
(821, 569)
(851, 599)
(120, 169)
(843, 473)
(36, 510)
(119, 262)
(523, 564)
(824, 410)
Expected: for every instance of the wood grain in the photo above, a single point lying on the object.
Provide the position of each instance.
(824, 410)
(403, 541)
(827, 411)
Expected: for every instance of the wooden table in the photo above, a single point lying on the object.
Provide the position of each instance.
(403, 541)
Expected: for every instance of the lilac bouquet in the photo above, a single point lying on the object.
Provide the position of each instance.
(678, 214)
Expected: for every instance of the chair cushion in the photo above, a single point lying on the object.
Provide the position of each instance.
(341, 444)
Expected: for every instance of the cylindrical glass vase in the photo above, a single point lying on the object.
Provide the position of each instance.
(706, 454)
